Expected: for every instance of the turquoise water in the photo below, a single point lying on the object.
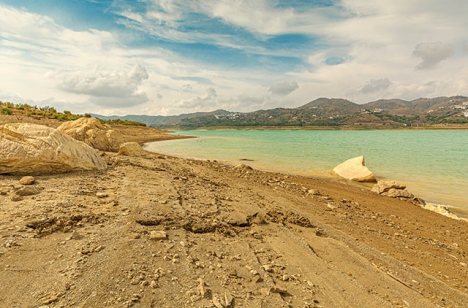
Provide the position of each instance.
(433, 164)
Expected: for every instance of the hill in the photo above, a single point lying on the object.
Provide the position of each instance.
(162, 121)
(341, 113)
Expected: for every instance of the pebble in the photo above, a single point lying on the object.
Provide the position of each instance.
(16, 198)
(27, 180)
(158, 235)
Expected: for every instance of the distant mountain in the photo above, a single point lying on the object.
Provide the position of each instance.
(162, 121)
(325, 112)
(336, 112)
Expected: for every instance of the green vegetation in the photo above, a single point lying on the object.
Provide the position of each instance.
(122, 122)
(8, 108)
(7, 111)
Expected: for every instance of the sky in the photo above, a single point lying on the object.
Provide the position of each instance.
(168, 57)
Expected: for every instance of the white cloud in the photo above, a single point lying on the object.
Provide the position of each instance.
(283, 88)
(376, 85)
(432, 54)
(108, 87)
(200, 102)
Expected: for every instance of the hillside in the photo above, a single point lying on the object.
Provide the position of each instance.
(161, 121)
(340, 113)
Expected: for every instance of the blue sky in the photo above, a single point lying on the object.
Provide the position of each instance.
(166, 57)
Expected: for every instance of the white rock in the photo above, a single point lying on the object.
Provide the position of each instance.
(92, 132)
(384, 186)
(354, 169)
(31, 148)
(158, 235)
(131, 149)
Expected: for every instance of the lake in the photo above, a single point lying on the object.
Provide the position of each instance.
(432, 163)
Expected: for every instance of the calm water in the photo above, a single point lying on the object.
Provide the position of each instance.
(433, 164)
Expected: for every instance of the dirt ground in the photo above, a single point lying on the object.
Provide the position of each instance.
(168, 232)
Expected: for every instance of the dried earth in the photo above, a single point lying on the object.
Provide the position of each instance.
(160, 231)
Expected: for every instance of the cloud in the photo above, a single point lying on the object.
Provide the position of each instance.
(108, 87)
(187, 87)
(283, 88)
(199, 102)
(376, 85)
(432, 54)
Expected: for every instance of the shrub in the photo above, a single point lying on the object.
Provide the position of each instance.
(7, 111)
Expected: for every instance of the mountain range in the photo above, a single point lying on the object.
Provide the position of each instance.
(325, 112)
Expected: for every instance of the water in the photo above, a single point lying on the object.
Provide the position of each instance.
(432, 163)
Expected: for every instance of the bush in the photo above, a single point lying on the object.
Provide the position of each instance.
(7, 111)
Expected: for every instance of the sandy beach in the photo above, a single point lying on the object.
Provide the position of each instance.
(160, 231)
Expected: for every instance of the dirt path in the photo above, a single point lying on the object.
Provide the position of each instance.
(169, 232)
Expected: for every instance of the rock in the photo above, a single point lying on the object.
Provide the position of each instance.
(102, 195)
(132, 149)
(92, 132)
(243, 167)
(28, 190)
(27, 180)
(216, 302)
(278, 290)
(313, 192)
(76, 236)
(354, 169)
(31, 148)
(384, 186)
(397, 193)
(16, 198)
(158, 235)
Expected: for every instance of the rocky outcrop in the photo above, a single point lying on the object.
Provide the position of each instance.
(132, 149)
(31, 148)
(395, 190)
(384, 186)
(94, 133)
(354, 169)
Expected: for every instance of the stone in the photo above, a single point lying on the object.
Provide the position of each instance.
(32, 148)
(92, 132)
(131, 149)
(27, 180)
(16, 198)
(398, 193)
(102, 195)
(243, 167)
(313, 192)
(354, 169)
(384, 186)
(76, 236)
(158, 235)
(28, 190)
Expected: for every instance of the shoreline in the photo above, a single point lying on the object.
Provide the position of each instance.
(451, 210)
(332, 128)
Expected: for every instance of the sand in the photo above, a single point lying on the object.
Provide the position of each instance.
(160, 231)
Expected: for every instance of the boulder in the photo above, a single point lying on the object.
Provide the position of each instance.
(398, 193)
(395, 190)
(131, 149)
(92, 132)
(31, 148)
(384, 186)
(354, 169)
